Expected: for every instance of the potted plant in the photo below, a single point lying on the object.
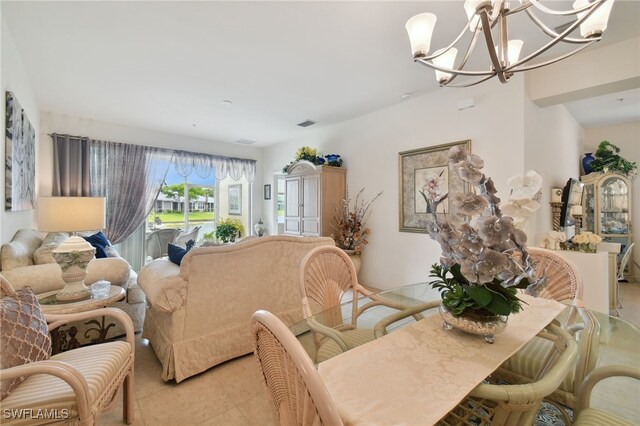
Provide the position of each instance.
(229, 229)
(607, 159)
(349, 225)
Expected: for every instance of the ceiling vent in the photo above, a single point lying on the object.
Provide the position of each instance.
(245, 141)
(306, 123)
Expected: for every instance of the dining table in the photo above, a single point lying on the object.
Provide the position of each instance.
(416, 371)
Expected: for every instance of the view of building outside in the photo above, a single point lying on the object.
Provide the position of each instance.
(198, 205)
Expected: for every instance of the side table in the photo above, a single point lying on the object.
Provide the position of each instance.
(61, 339)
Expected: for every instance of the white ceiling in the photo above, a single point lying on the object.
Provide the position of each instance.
(168, 65)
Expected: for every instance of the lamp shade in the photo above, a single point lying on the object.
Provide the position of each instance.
(71, 214)
(446, 60)
(596, 23)
(420, 30)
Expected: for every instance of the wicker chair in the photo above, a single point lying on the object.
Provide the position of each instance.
(587, 416)
(182, 239)
(326, 274)
(158, 242)
(79, 384)
(564, 284)
(498, 404)
(298, 393)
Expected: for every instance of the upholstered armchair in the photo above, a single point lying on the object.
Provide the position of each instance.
(76, 386)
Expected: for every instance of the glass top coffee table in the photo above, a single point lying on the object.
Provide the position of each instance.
(62, 338)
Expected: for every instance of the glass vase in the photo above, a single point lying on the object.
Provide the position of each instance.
(482, 325)
(586, 163)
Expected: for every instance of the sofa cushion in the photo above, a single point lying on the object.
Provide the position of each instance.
(19, 252)
(99, 241)
(116, 270)
(24, 336)
(43, 254)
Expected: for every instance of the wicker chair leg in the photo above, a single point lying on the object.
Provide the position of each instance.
(128, 398)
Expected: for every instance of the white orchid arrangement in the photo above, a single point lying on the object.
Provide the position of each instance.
(482, 249)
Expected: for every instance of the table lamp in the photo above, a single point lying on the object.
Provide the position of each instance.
(72, 214)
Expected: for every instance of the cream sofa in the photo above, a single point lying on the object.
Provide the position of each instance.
(199, 312)
(17, 265)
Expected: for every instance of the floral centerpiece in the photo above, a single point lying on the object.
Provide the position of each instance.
(484, 257)
(306, 153)
(586, 242)
(349, 222)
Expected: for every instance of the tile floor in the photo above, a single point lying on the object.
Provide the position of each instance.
(233, 393)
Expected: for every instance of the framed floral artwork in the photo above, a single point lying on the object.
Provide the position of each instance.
(426, 170)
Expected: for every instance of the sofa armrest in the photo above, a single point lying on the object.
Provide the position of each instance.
(160, 280)
(41, 278)
(48, 276)
(116, 270)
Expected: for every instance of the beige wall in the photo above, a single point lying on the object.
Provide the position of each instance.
(370, 145)
(14, 78)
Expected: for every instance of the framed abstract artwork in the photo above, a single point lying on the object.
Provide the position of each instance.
(20, 158)
(235, 200)
(415, 167)
(267, 192)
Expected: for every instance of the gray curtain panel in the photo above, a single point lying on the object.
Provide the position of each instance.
(130, 177)
(71, 166)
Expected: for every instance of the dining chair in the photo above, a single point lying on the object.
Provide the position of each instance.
(587, 416)
(496, 404)
(76, 385)
(158, 242)
(326, 275)
(298, 394)
(562, 282)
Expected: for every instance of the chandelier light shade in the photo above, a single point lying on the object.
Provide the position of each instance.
(488, 19)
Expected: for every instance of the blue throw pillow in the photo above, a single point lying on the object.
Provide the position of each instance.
(99, 241)
(176, 253)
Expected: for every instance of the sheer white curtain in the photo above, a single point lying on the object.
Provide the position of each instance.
(204, 165)
(130, 177)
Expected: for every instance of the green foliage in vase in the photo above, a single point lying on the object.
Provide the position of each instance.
(607, 159)
(460, 297)
(229, 229)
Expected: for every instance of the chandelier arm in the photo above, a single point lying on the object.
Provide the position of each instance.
(543, 8)
(550, 44)
(523, 6)
(550, 61)
(461, 86)
(467, 54)
(424, 62)
(492, 51)
(554, 34)
(440, 52)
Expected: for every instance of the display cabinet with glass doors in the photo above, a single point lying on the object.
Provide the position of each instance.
(607, 210)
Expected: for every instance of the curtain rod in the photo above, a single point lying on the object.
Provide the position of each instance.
(167, 150)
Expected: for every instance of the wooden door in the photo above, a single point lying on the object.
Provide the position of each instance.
(293, 201)
(311, 205)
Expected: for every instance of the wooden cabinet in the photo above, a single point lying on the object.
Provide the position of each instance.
(607, 209)
(310, 194)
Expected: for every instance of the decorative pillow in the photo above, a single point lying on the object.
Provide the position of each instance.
(176, 253)
(24, 337)
(43, 254)
(6, 289)
(99, 241)
(111, 252)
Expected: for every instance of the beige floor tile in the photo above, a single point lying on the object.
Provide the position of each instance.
(193, 401)
(114, 415)
(259, 411)
(232, 417)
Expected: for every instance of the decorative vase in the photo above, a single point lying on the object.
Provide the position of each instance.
(259, 228)
(485, 326)
(586, 162)
(355, 258)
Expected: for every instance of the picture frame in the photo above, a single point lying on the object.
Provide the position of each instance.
(414, 166)
(267, 192)
(235, 200)
(20, 154)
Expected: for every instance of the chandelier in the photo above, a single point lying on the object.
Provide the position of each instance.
(483, 15)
